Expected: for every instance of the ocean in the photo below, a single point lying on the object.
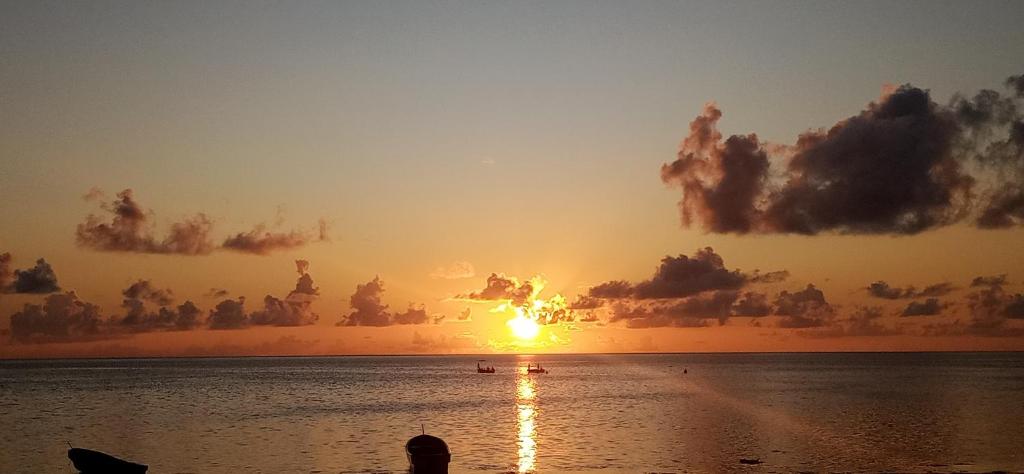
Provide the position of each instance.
(849, 412)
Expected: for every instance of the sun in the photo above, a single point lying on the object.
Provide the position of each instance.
(524, 328)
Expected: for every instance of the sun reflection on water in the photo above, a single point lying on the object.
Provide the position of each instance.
(526, 417)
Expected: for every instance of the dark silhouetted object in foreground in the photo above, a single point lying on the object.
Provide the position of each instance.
(88, 461)
(427, 455)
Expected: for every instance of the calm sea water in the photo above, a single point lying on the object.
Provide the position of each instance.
(591, 413)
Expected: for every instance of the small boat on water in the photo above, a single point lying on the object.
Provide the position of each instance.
(530, 369)
(427, 455)
(87, 461)
(484, 370)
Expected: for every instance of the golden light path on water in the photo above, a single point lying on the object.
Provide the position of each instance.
(526, 418)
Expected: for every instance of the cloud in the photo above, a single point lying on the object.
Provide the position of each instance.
(501, 288)
(287, 312)
(412, 315)
(897, 167)
(678, 277)
(686, 292)
(136, 319)
(217, 293)
(294, 310)
(993, 311)
(648, 315)
(928, 307)
(612, 290)
(1005, 208)
(769, 277)
(683, 276)
(259, 241)
(881, 289)
(803, 309)
(716, 305)
(144, 290)
(229, 314)
(584, 302)
(367, 307)
(752, 305)
(6, 274)
(368, 310)
(863, 322)
(989, 281)
(992, 307)
(1016, 83)
(693, 311)
(130, 231)
(39, 279)
(62, 317)
(722, 181)
(589, 318)
(454, 271)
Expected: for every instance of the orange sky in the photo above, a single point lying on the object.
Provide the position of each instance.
(438, 147)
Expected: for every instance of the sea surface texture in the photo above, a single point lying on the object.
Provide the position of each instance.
(591, 413)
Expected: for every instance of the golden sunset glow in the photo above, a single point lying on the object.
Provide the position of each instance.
(408, 204)
(524, 328)
(533, 312)
(504, 236)
(526, 416)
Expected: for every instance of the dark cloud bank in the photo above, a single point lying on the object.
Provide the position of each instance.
(368, 310)
(691, 291)
(501, 288)
(260, 241)
(39, 279)
(903, 165)
(881, 289)
(700, 290)
(294, 310)
(992, 307)
(61, 317)
(129, 228)
(64, 317)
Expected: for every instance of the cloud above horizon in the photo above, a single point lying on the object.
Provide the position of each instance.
(368, 310)
(62, 317)
(39, 279)
(903, 165)
(688, 292)
(131, 230)
(260, 241)
(881, 289)
(502, 288)
(294, 310)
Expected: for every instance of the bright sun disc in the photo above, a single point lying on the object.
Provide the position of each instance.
(524, 328)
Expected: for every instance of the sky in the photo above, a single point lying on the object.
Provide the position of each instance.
(403, 177)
